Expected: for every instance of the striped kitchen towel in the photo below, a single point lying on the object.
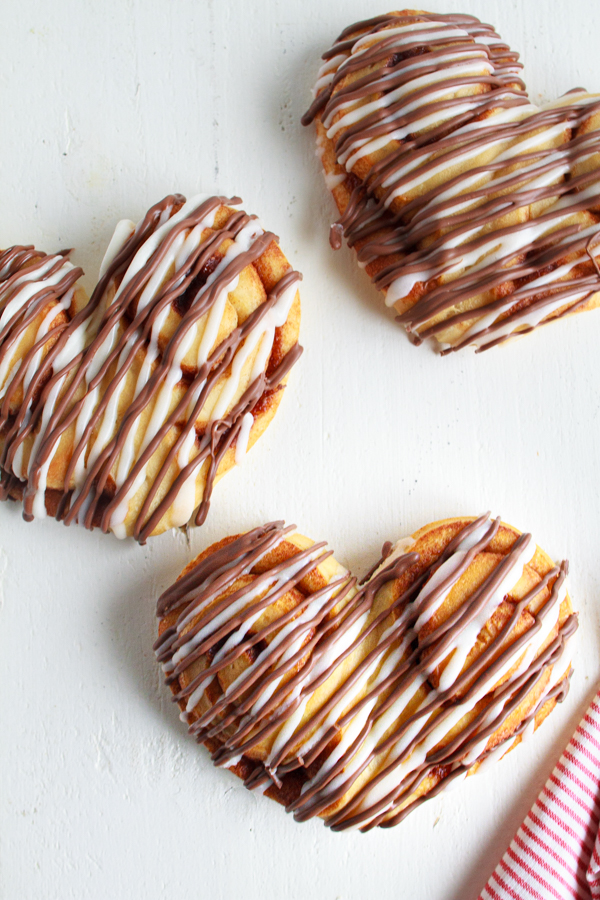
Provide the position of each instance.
(555, 854)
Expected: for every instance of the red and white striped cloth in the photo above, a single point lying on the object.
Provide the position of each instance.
(555, 854)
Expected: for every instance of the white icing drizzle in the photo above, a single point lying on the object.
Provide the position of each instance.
(241, 448)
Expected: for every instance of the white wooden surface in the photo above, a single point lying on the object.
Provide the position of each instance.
(106, 107)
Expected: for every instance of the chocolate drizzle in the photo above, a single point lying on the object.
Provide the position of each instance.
(151, 457)
(357, 692)
(472, 209)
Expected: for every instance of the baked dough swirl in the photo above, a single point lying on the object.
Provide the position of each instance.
(473, 210)
(123, 411)
(357, 702)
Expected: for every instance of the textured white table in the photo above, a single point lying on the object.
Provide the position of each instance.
(106, 107)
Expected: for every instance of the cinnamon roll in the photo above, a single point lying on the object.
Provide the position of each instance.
(122, 412)
(475, 211)
(357, 702)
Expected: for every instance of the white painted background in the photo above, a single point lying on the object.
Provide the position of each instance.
(105, 107)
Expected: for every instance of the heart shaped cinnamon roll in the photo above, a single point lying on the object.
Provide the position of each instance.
(123, 411)
(473, 210)
(356, 702)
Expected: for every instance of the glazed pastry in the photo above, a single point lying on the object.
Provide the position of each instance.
(474, 211)
(123, 411)
(357, 702)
